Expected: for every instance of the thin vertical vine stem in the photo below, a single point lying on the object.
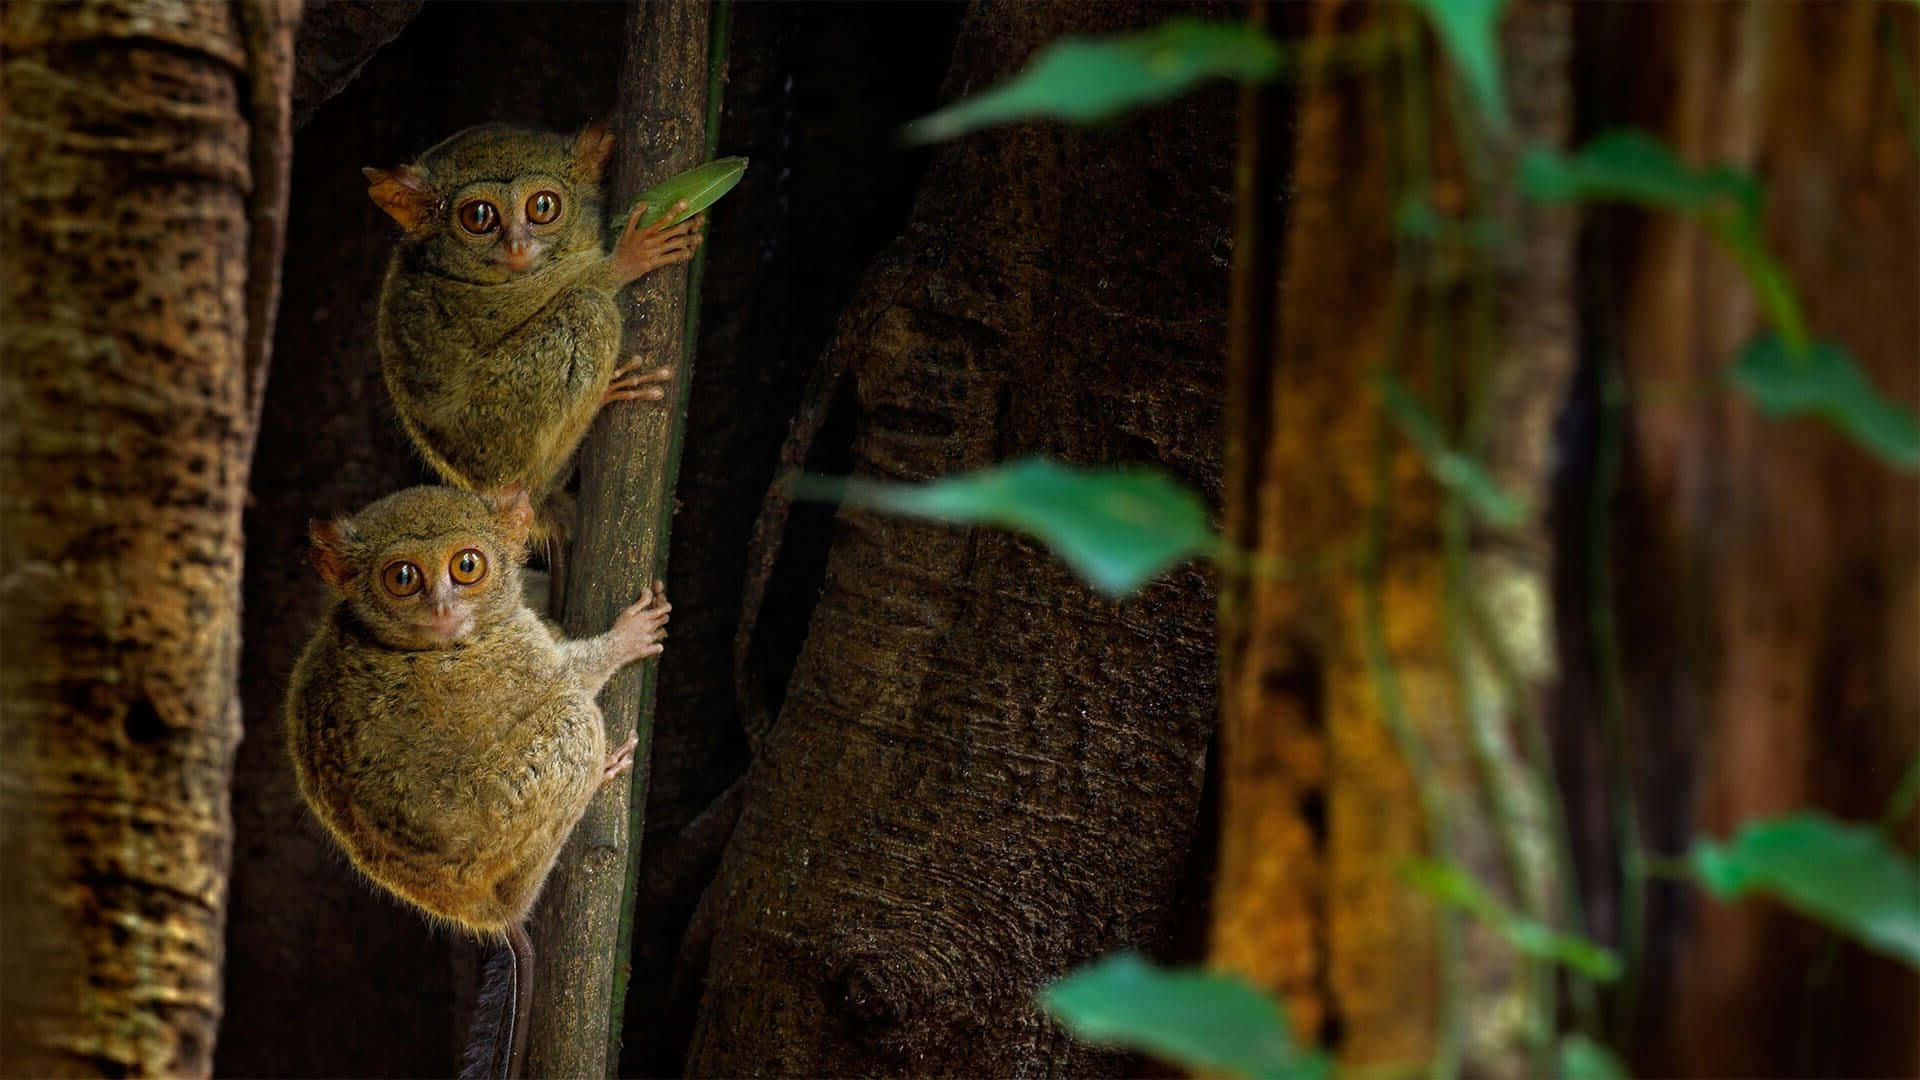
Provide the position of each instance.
(1409, 170)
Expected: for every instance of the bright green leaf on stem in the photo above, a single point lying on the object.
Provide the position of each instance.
(1583, 1059)
(1116, 527)
(1631, 166)
(1191, 1019)
(1452, 884)
(701, 186)
(1086, 80)
(1454, 470)
(1469, 30)
(1824, 381)
(1847, 876)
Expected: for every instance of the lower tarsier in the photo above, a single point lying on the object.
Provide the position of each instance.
(445, 734)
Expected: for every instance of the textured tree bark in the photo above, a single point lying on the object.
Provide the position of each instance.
(1772, 654)
(983, 774)
(145, 151)
(336, 39)
(1358, 615)
(815, 96)
(627, 468)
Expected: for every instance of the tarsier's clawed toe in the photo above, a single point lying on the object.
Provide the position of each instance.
(632, 384)
(620, 758)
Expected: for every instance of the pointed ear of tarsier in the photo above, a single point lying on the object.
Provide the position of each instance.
(514, 511)
(403, 193)
(591, 149)
(331, 540)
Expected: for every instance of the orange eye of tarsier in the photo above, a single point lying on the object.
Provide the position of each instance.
(479, 217)
(468, 567)
(402, 578)
(543, 207)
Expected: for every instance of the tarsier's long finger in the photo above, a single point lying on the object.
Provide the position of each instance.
(658, 228)
(626, 378)
(690, 227)
(633, 219)
(649, 615)
(612, 396)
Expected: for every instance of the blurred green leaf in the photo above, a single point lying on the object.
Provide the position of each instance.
(1823, 380)
(1086, 80)
(1188, 1018)
(1905, 794)
(1847, 876)
(1470, 32)
(1630, 166)
(1454, 470)
(701, 187)
(1116, 527)
(1452, 884)
(1624, 165)
(1583, 1059)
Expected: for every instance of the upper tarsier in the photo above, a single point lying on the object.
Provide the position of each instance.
(498, 331)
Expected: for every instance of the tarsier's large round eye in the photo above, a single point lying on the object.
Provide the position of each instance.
(543, 207)
(402, 578)
(479, 217)
(467, 566)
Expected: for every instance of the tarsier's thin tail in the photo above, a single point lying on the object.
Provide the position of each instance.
(490, 1043)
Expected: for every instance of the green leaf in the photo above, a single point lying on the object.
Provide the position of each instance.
(1454, 470)
(1631, 166)
(1847, 876)
(1823, 381)
(1452, 884)
(1086, 80)
(1116, 527)
(1583, 1059)
(1188, 1018)
(701, 187)
(1469, 31)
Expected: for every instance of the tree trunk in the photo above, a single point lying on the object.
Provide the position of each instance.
(145, 163)
(1770, 588)
(582, 926)
(983, 774)
(1369, 715)
(815, 96)
(336, 39)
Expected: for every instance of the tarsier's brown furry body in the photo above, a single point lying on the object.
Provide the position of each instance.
(499, 335)
(443, 732)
